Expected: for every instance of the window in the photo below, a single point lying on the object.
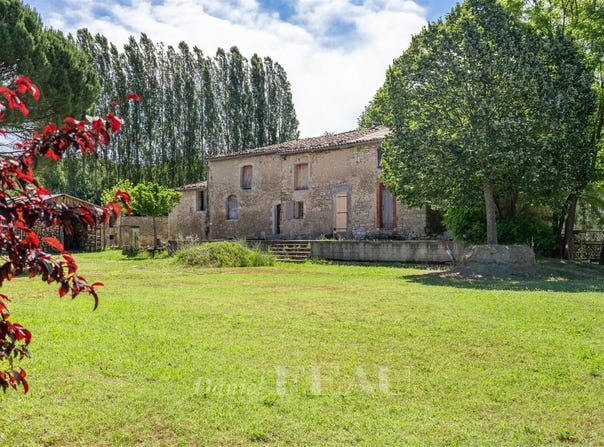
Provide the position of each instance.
(201, 201)
(341, 213)
(294, 210)
(246, 177)
(301, 176)
(379, 157)
(299, 210)
(232, 208)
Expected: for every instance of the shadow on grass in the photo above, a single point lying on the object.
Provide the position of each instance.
(550, 275)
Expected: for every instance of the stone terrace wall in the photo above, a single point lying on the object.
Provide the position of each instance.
(422, 251)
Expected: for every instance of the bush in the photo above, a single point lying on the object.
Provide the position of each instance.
(528, 227)
(223, 254)
(530, 230)
(468, 224)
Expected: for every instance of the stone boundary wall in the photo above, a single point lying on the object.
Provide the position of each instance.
(422, 251)
(145, 225)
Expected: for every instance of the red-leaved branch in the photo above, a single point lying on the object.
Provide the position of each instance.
(25, 203)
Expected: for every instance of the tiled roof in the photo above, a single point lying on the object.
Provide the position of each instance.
(192, 186)
(326, 142)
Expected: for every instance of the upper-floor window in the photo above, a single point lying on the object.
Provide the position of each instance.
(301, 176)
(232, 208)
(379, 157)
(246, 176)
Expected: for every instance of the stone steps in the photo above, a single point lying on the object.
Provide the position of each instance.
(291, 251)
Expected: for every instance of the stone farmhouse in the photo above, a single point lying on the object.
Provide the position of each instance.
(304, 189)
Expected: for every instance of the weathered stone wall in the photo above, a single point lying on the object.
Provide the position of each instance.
(353, 171)
(387, 251)
(186, 222)
(145, 225)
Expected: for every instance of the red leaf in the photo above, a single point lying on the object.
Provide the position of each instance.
(72, 267)
(115, 123)
(54, 243)
(24, 84)
(21, 333)
(52, 155)
(135, 97)
(70, 120)
(95, 284)
(86, 216)
(33, 239)
(123, 195)
(63, 289)
(96, 299)
(114, 209)
(50, 128)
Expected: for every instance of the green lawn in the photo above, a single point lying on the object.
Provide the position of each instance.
(309, 354)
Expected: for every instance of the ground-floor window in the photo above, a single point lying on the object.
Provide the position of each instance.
(232, 208)
(294, 210)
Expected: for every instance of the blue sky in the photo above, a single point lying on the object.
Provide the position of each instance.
(335, 52)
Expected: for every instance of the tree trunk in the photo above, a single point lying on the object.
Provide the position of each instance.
(557, 227)
(491, 212)
(569, 226)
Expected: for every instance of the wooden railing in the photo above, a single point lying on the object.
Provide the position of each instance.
(587, 245)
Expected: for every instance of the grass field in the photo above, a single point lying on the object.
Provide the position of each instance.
(312, 355)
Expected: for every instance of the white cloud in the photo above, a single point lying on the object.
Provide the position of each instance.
(332, 77)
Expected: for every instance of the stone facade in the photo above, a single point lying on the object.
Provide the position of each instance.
(304, 189)
(187, 221)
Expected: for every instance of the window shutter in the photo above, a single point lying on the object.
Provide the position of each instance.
(246, 177)
(301, 176)
(342, 212)
(289, 209)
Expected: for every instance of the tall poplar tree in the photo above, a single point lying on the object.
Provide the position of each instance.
(194, 107)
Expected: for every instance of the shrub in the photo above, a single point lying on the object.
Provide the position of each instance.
(530, 230)
(528, 227)
(466, 223)
(223, 254)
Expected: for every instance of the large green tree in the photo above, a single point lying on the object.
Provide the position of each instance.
(480, 107)
(64, 73)
(583, 20)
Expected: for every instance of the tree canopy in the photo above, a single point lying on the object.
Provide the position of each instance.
(484, 110)
(64, 74)
(582, 20)
(153, 199)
